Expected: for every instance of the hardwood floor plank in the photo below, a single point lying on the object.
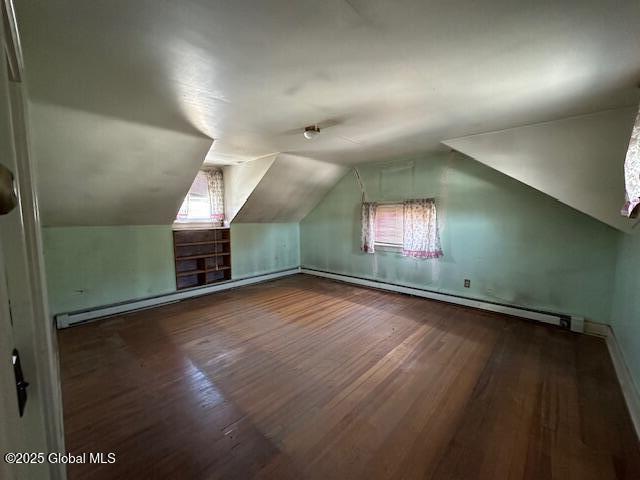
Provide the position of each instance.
(309, 378)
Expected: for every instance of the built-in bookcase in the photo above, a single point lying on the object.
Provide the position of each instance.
(202, 257)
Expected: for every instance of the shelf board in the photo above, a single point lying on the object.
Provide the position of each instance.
(204, 242)
(204, 255)
(206, 270)
(189, 272)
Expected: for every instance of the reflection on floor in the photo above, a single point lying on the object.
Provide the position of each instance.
(308, 378)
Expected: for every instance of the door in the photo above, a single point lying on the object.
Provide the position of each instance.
(11, 431)
(24, 321)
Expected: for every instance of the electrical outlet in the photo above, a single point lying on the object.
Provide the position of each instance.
(467, 283)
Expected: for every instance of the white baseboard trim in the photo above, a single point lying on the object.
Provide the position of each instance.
(551, 318)
(597, 329)
(625, 379)
(64, 320)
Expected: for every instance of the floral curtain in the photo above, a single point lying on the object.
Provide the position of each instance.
(368, 222)
(421, 236)
(216, 195)
(632, 172)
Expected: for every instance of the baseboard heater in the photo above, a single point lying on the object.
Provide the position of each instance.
(570, 322)
(68, 319)
(64, 320)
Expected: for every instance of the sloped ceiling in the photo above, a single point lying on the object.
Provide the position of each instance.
(289, 190)
(97, 170)
(577, 160)
(240, 181)
(383, 78)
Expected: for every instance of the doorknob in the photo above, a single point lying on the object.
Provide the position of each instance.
(21, 385)
(8, 195)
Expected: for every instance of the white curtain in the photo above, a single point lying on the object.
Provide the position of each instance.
(216, 195)
(368, 223)
(632, 172)
(421, 237)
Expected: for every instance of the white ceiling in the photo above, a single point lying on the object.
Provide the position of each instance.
(576, 160)
(395, 77)
(126, 87)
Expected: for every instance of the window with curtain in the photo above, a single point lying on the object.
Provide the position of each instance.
(632, 172)
(204, 204)
(411, 226)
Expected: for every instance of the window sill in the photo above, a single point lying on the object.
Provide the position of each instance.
(196, 225)
(386, 247)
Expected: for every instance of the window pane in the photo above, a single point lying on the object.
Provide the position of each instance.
(199, 207)
(389, 224)
(197, 204)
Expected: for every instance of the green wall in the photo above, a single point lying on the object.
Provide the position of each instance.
(516, 245)
(625, 312)
(94, 266)
(264, 247)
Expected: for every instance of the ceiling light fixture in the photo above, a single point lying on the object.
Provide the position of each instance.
(311, 132)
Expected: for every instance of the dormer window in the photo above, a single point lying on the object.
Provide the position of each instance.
(204, 204)
(632, 173)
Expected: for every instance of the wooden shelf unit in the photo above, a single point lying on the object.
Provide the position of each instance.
(202, 256)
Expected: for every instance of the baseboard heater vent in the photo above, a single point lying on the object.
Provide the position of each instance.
(569, 322)
(64, 320)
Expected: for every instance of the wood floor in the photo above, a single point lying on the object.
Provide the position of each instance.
(305, 378)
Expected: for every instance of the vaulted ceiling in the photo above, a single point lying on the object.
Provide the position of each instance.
(289, 190)
(383, 78)
(577, 160)
(99, 170)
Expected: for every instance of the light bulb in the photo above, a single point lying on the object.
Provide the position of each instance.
(309, 134)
